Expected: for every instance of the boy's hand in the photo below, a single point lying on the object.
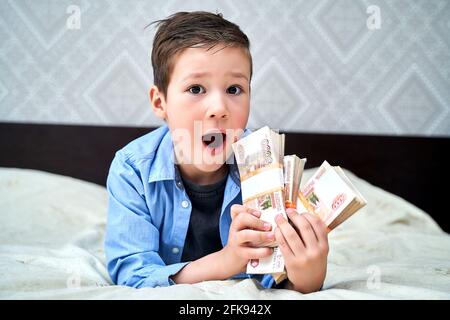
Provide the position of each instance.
(304, 245)
(247, 237)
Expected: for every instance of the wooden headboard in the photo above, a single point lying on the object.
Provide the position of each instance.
(410, 167)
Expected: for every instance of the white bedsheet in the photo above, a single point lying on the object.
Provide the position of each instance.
(52, 231)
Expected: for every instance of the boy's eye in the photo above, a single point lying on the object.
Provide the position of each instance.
(196, 90)
(234, 90)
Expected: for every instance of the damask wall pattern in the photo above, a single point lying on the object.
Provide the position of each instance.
(345, 66)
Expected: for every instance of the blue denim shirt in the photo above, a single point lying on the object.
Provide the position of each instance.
(149, 211)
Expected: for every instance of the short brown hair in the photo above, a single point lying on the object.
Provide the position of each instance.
(184, 30)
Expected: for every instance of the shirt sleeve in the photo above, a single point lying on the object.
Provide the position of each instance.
(132, 240)
(268, 281)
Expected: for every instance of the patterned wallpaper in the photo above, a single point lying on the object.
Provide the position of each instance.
(347, 66)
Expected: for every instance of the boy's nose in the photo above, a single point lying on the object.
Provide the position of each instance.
(217, 107)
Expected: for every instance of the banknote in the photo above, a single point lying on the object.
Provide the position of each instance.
(293, 170)
(330, 195)
(259, 157)
(272, 182)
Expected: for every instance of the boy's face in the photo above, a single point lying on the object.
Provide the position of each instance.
(206, 107)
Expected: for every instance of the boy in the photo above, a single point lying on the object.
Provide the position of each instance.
(174, 211)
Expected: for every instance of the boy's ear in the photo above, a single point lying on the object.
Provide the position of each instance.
(158, 102)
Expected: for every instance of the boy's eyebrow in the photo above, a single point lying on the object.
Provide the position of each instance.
(196, 75)
(237, 74)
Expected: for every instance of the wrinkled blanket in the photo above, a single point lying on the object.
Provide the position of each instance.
(52, 232)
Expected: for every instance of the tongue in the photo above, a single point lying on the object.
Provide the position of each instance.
(213, 140)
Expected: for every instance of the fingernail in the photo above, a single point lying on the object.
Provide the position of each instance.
(256, 213)
(290, 210)
(267, 226)
(278, 218)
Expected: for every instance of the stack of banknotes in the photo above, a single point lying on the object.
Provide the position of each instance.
(271, 183)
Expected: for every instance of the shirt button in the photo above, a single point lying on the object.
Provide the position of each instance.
(175, 250)
(184, 204)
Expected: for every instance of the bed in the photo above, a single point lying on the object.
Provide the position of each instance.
(52, 232)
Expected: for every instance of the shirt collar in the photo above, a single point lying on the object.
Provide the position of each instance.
(164, 160)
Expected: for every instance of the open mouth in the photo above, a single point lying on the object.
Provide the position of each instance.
(214, 141)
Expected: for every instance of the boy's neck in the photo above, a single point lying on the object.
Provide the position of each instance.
(192, 174)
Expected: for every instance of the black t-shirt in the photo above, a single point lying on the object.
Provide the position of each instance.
(203, 236)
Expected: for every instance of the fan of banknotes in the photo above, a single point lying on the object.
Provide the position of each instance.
(271, 183)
